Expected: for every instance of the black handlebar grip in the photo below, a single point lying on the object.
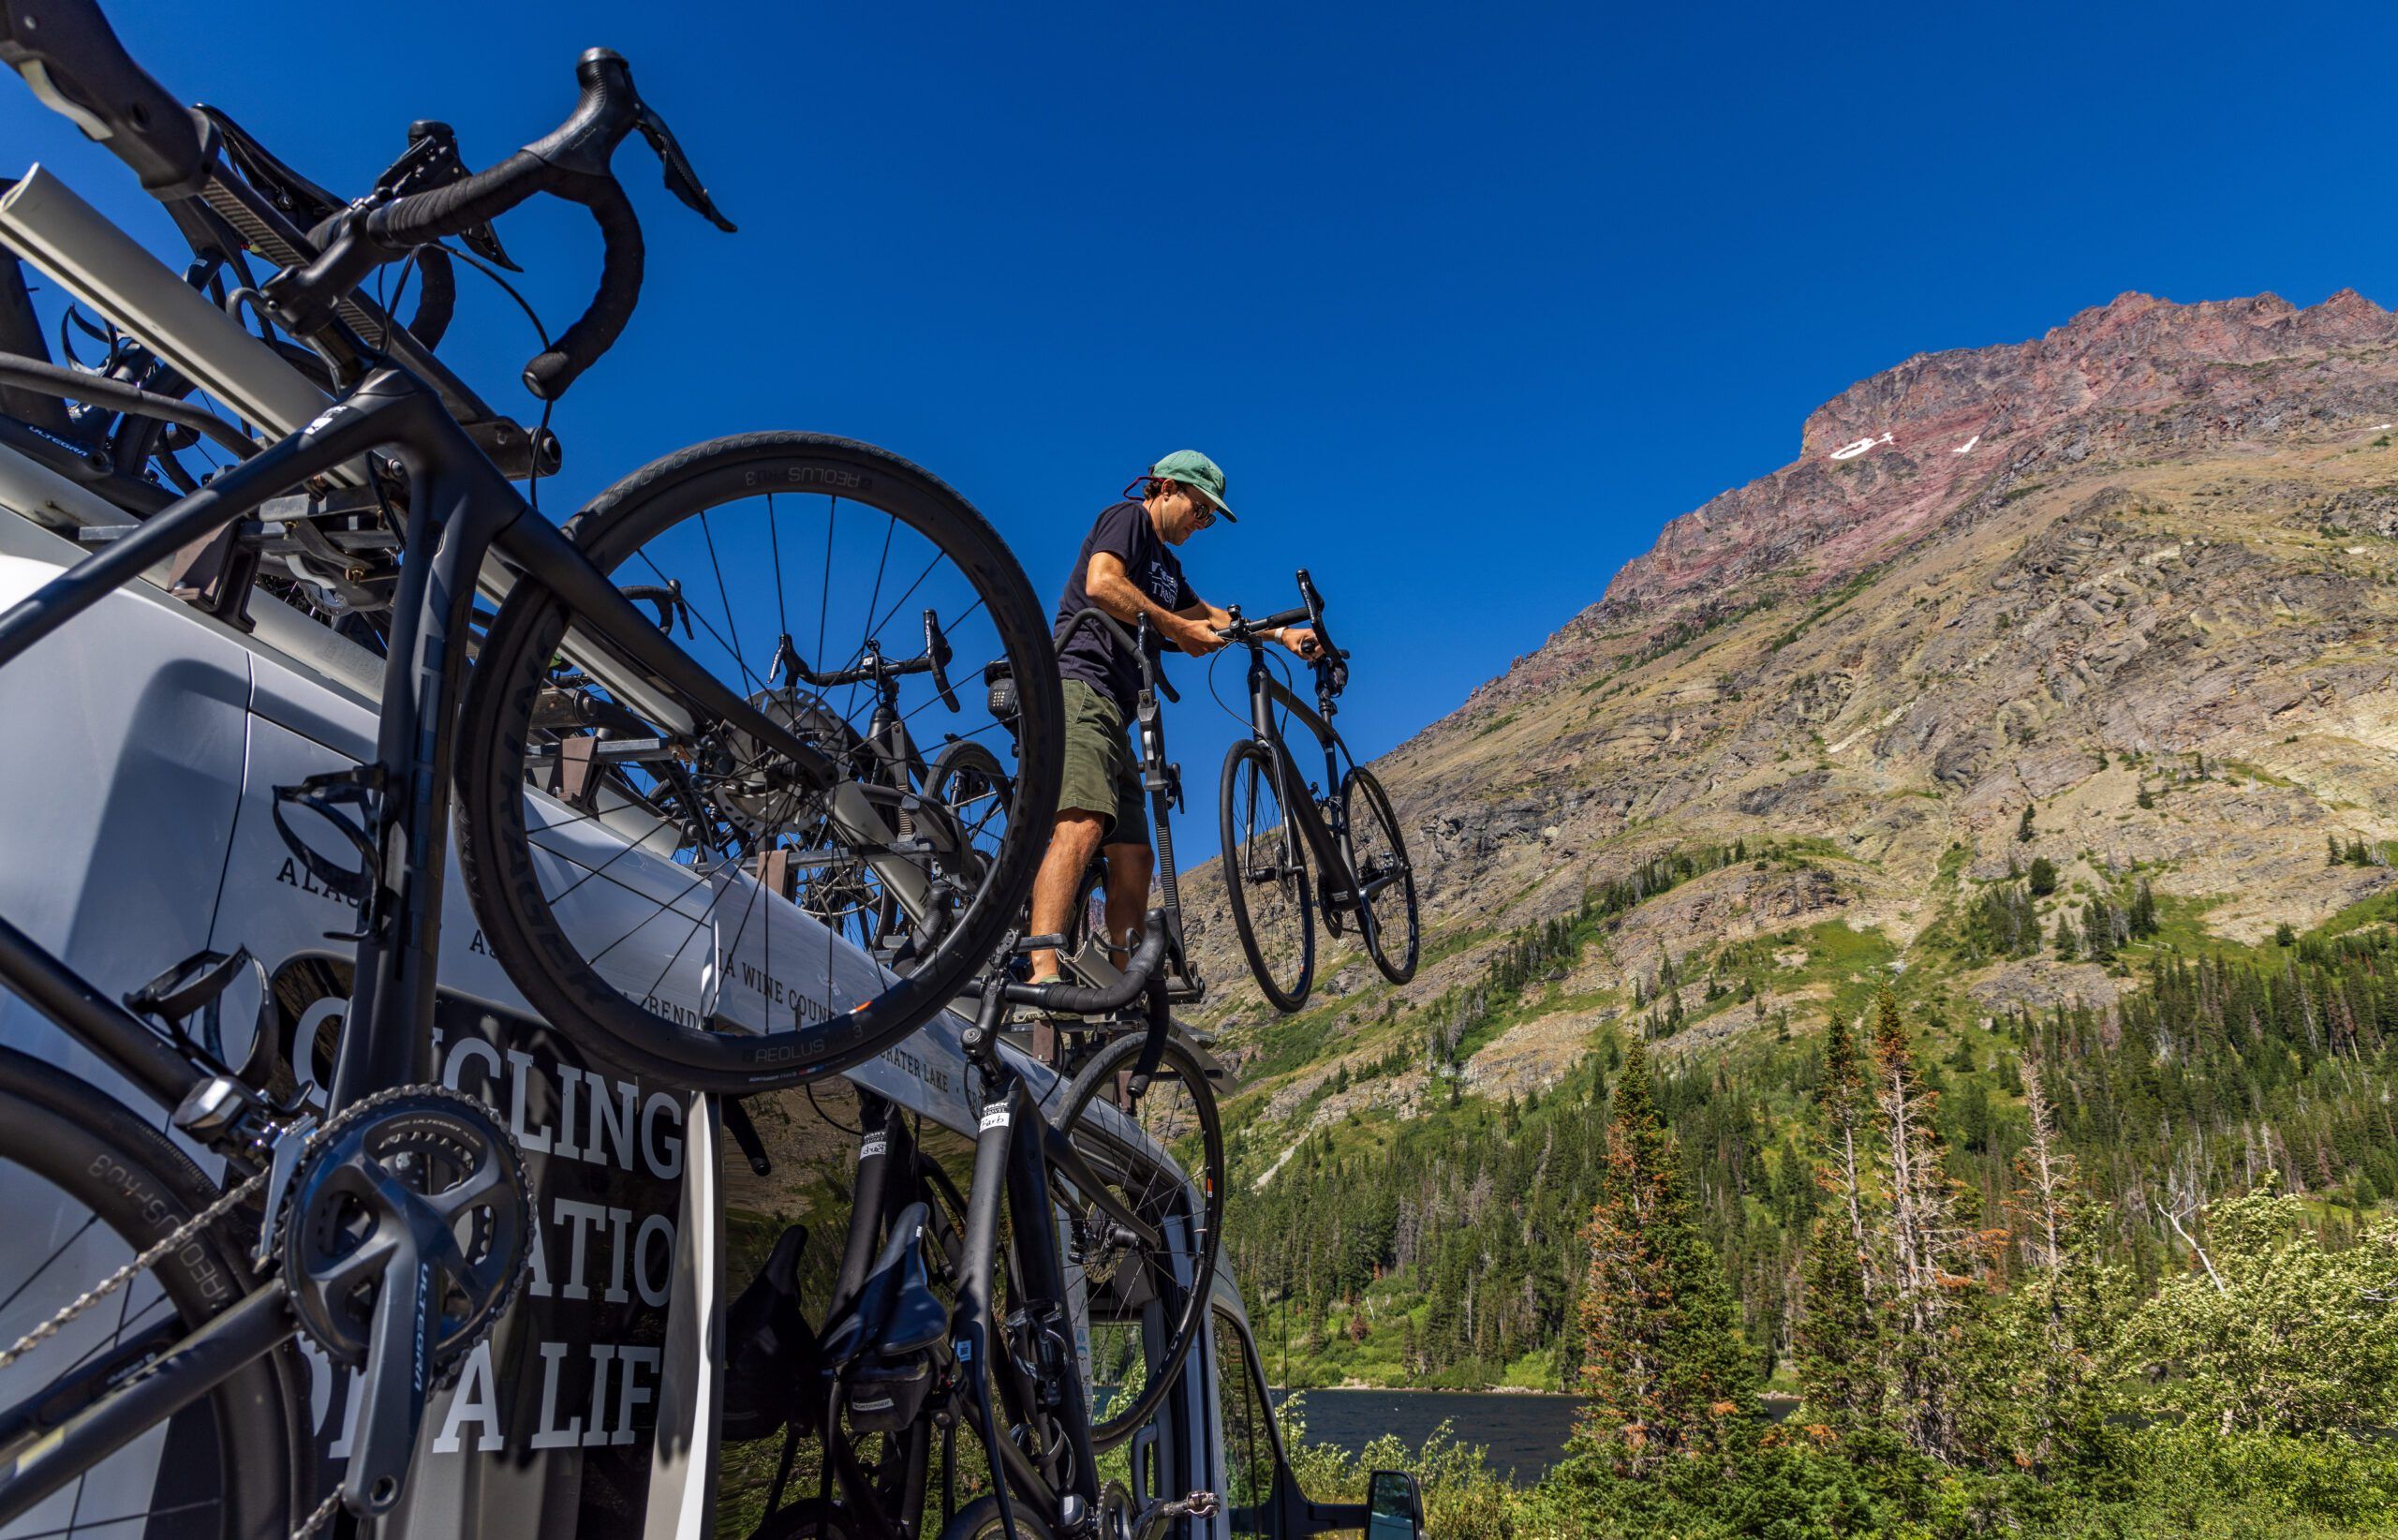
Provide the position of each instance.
(620, 272)
(436, 296)
(440, 213)
(70, 56)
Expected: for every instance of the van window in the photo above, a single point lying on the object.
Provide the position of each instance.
(801, 1205)
(1246, 1420)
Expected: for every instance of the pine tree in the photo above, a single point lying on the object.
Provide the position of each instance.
(1844, 1101)
(1840, 1369)
(1664, 1367)
(2049, 1341)
(1929, 1251)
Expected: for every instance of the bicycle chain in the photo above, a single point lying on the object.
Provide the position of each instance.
(141, 1264)
(232, 1199)
(316, 1521)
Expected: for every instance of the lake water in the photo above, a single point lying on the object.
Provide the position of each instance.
(1525, 1434)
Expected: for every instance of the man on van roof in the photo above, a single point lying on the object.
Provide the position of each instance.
(1128, 567)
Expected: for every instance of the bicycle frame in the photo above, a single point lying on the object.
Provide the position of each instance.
(460, 507)
(1016, 1151)
(1327, 838)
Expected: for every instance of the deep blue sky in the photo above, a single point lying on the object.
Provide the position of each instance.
(1467, 302)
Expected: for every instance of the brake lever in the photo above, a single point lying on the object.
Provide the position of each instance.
(681, 180)
(937, 651)
(431, 160)
(670, 603)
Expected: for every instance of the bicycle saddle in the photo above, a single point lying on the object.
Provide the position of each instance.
(897, 1312)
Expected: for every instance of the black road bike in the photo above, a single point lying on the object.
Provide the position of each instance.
(1049, 1309)
(396, 1230)
(947, 816)
(1276, 824)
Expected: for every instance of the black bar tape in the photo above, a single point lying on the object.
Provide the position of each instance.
(440, 213)
(620, 272)
(436, 295)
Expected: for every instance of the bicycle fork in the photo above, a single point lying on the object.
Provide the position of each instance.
(1014, 1168)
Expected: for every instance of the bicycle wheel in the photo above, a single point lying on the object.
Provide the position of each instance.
(1386, 884)
(1265, 878)
(1163, 1157)
(644, 936)
(970, 781)
(86, 1186)
(979, 1520)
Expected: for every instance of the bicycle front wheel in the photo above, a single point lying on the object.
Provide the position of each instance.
(1385, 896)
(1265, 878)
(1163, 1156)
(87, 1186)
(612, 835)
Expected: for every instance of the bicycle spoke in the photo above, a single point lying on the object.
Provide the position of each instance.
(739, 654)
(713, 634)
(78, 1524)
(891, 527)
(35, 1277)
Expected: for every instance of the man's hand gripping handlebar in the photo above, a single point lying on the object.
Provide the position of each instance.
(1077, 1000)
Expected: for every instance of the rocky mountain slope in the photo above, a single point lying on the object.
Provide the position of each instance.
(2121, 599)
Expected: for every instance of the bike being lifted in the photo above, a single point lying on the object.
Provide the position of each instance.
(594, 758)
(1275, 822)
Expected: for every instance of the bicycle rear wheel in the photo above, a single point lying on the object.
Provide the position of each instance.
(86, 1186)
(969, 779)
(1181, 1195)
(1385, 882)
(1265, 878)
(979, 1520)
(638, 925)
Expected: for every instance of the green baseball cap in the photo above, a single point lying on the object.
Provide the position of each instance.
(1197, 472)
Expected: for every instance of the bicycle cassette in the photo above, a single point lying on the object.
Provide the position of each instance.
(416, 1177)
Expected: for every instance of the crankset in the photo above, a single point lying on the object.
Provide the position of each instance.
(405, 1236)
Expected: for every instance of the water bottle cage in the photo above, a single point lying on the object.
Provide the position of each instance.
(325, 795)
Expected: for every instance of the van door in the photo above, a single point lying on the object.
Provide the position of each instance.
(1261, 1499)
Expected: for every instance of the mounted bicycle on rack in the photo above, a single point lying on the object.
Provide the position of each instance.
(1049, 1310)
(1275, 822)
(599, 768)
(949, 816)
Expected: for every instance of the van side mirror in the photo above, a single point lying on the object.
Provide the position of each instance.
(1393, 1509)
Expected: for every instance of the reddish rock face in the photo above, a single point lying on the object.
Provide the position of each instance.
(1944, 436)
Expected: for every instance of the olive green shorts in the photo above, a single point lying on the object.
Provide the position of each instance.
(1101, 773)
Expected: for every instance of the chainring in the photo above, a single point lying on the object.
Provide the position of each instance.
(444, 1154)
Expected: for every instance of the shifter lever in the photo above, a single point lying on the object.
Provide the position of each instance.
(681, 180)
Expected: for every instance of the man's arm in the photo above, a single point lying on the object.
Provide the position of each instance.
(1112, 589)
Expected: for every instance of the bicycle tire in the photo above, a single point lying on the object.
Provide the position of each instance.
(965, 773)
(495, 851)
(1376, 932)
(1176, 1063)
(58, 1132)
(1234, 864)
(979, 1520)
(809, 1519)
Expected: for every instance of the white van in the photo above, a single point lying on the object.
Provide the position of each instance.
(138, 749)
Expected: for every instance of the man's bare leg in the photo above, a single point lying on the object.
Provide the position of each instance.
(1128, 898)
(1070, 848)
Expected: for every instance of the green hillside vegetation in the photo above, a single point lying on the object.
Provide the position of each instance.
(2012, 1264)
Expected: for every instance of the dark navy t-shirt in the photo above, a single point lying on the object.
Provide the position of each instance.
(1094, 655)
